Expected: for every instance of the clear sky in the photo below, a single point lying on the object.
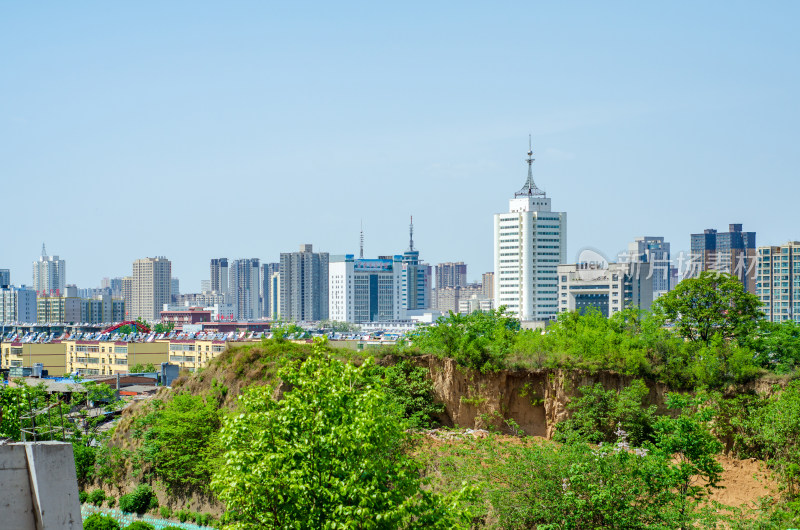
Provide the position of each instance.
(243, 129)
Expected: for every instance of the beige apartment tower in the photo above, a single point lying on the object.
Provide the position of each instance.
(151, 287)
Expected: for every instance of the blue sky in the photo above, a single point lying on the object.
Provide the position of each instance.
(243, 129)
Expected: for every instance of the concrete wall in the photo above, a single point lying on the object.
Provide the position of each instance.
(40, 488)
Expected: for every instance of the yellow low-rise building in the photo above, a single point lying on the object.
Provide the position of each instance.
(97, 357)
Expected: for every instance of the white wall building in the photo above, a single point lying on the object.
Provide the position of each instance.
(17, 304)
(365, 290)
(49, 274)
(529, 243)
(607, 287)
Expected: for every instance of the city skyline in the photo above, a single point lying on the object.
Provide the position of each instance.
(652, 120)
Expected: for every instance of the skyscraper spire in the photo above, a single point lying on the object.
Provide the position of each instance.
(411, 235)
(361, 253)
(44, 252)
(530, 189)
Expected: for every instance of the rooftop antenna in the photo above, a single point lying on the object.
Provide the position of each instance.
(530, 189)
(44, 252)
(361, 253)
(411, 235)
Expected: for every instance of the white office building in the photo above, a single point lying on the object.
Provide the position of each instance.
(530, 241)
(365, 290)
(606, 287)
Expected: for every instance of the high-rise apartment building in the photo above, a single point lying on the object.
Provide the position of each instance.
(5, 278)
(220, 276)
(451, 275)
(778, 281)
(366, 290)
(530, 241)
(151, 287)
(267, 298)
(17, 304)
(487, 285)
(653, 250)
(304, 285)
(733, 252)
(174, 287)
(127, 295)
(245, 279)
(49, 274)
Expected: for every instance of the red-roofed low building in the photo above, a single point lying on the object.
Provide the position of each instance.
(192, 315)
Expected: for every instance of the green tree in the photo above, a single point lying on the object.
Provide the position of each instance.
(163, 328)
(714, 303)
(330, 454)
(598, 414)
(179, 443)
(481, 340)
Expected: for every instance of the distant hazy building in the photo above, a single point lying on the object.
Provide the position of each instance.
(151, 287)
(220, 276)
(449, 298)
(655, 251)
(127, 295)
(174, 287)
(49, 274)
(245, 276)
(304, 285)
(17, 304)
(530, 241)
(778, 281)
(451, 274)
(487, 284)
(366, 290)
(58, 309)
(733, 252)
(609, 288)
(275, 296)
(267, 298)
(5, 278)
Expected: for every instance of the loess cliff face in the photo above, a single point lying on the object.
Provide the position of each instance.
(534, 400)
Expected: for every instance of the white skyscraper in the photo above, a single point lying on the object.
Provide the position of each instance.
(49, 274)
(150, 288)
(529, 243)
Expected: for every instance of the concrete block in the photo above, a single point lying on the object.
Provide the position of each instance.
(16, 507)
(54, 486)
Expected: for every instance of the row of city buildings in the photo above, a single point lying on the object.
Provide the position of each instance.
(532, 278)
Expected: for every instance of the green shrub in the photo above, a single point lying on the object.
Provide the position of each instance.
(111, 501)
(410, 386)
(97, 497)
(598, 414)
(85, 457)
(182, 515)
(97, 521)
(83, 496)
(165, 511)
(139, 500)
(139, 525)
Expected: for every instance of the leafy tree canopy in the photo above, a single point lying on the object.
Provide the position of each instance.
(714, 303)
(330, 454)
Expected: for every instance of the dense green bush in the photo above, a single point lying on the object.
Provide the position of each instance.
(139, 525)
(139, 500)
(85, 457)
(98, 521)
(178, 442)
(410, 386)
(83, 496)
(165, 512)
(332, 453)
(598, 414)
(482, 340)
(531, 483)
(97, 497)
